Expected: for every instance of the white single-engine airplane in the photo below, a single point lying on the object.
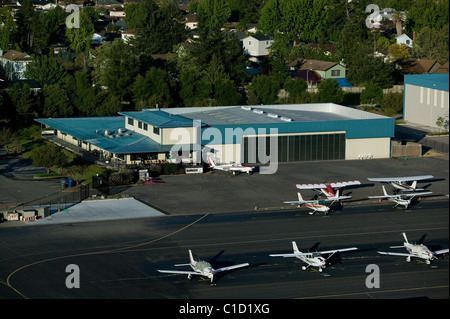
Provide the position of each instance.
(328, 189)
(401, 183)
(400, 199)
(317, 205)
(202, 268)
(314, 259)
(234, 168)
(418, 250)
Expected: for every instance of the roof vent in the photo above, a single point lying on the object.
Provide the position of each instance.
(258, 111)
(286, 119)
(247, 108)
(272, 115)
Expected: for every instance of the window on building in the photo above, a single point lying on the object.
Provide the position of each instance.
(155, 130)
(335, 72)
(145, 127)
(139, 124)
(130, 121)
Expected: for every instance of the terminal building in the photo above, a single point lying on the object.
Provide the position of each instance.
(241, 134)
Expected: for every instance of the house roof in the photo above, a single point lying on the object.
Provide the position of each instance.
(417, 66)
(303, 64)
(261, 37)
(14, 55)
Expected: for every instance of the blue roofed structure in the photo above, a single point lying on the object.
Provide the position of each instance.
(322, 131)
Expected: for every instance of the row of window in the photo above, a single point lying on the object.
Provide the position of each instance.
(143, 126)
(295, 148)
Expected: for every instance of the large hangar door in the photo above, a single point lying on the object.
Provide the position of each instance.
(295, 148)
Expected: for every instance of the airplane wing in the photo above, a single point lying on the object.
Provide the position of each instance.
(185, 272)
(310, 186)
(338, 250)
(323, 185)
(399, 179)
(343, 184)
(286, 255)
(442, 251)
(232, 267)
(396, 254)
(416, 194)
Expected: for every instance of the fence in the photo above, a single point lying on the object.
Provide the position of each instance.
(408, 149)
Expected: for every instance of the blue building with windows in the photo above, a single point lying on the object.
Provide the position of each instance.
(289, 132)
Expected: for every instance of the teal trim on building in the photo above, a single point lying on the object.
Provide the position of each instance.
(431, 81)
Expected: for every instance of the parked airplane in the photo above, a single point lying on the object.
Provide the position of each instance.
(317, 205)
(234, 168)
(399, 199)
(314, 259)
(418, 250)
(202, 268)
(402, 183)
(328, 189)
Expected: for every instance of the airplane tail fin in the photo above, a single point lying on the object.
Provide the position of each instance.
(414, 185)
(211, 162)
(191, 258)
(294, 246)
(384, 191)
(406, 239)
(300, 198)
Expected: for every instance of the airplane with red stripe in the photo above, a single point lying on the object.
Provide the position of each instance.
(329, 189)
(317, 205)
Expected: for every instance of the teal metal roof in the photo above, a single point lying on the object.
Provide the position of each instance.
(432, 81)
(159, 119)
(107, 133)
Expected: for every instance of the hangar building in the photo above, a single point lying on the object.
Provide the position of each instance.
(293, 132)
(426, 98)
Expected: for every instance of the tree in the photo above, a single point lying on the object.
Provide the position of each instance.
(115, 67)
(44, 69)
(56, 101)
(432, 44)
(392, 103)
(80, 38)
(295, 87)
(212, 15)
(154, 87)
(263, 89)
(372, 94)
(24, 101)
(300, 20)
(47, 156)
(330, 92)
(157, 27)
(8, 29)
(398, 51)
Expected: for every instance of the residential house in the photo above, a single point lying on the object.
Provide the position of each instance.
(191, 21)
(418, 66)
(314, 71)
(406, 39)
(257, 45)
(14, 64)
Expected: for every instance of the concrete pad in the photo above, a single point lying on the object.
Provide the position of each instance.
(98, 210)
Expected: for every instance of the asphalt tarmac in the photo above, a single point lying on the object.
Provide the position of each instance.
(214, 215)
(119, 259)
